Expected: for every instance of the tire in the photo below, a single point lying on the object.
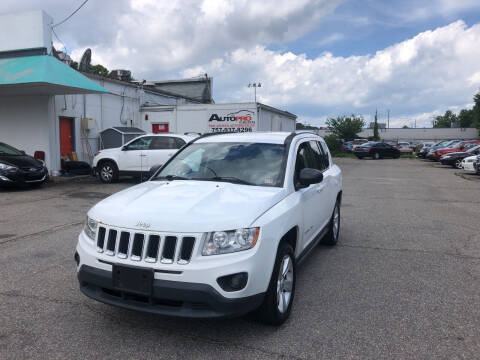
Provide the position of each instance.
(331, 238)
(360, 157)
(396, 156)
(270, 312)
(108, 172)
(375, 156)
(458, 164)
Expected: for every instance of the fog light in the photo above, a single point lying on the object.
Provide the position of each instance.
(233, 282)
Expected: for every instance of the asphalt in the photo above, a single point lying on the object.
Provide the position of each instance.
(403, 282)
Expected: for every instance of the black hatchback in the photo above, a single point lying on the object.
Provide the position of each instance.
(376, 150)
(17, 168)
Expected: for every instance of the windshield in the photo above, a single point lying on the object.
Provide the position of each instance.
(453, 145)
(473, 149)
(244, 163)
(9, 150)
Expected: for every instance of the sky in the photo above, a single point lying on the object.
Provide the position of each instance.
(315, 58)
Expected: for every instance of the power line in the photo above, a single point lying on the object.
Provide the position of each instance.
(69, 16)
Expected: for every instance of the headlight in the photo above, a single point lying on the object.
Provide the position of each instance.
(91, 228)
(470, 160)
(7, 167)
(223, 242)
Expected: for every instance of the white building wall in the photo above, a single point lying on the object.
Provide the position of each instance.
(24, 124)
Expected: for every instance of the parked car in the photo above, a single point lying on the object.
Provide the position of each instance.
(348, 146)
(376, 150)
(467, 163)
(476, 165)
(423, 149)
(455, 158)
(217, 231)
(18, 168)
(456, 147)
(137, 156)
(405, 147)
(442, 144)
(358, 142)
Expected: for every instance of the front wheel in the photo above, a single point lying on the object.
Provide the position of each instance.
(458, 164)
(331, 238)
(277, 305)
(108, 172)
(376, 156)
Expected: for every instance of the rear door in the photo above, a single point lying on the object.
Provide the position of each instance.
(163, 148)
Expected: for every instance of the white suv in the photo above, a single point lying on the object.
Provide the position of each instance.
(136, 157)
(217, 231)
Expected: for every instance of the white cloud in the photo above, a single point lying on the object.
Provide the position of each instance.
(434, 70)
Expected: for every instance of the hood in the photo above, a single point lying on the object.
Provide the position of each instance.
(187, 206)
(21, 161)
(110, 150)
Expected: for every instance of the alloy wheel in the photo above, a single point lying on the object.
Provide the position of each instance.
(458, 164)
(285, 284)
(106, 173)
(336, 223)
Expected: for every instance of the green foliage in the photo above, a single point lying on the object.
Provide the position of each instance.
(465, 117)
(99, 70)
(300, 126)
(333, 143)
(376, 137)
(446, 120)
(74, 65)
(405, 127)
(346, 127)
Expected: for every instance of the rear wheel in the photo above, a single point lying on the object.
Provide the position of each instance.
(376, 156)
(108, 172)
(278, 301)
(458, 163)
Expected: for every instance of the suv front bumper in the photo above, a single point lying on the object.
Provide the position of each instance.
(173, 298)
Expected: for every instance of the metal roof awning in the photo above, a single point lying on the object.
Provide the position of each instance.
(43, 75)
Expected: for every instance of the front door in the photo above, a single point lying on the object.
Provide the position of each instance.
(312, 207)
(66, 136)
(133, 156)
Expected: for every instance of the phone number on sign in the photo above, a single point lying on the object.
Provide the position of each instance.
(231, 129)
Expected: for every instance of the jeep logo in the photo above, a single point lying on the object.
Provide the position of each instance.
(143, 225)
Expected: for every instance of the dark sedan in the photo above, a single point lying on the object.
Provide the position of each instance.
(376, 150)
(455, 159)
(17, 168)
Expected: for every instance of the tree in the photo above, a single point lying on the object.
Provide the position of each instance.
(333, 143)
(445, 121)
(300, 126)
(98, 70)
(405, 127)
(346, 127)
(376, 137)
(476, 111)
(466, 118)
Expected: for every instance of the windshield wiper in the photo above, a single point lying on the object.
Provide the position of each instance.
(231, 179)
(171, 178)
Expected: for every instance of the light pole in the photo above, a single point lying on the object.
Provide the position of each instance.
(255, 85)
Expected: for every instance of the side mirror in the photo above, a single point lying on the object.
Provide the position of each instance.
(154, 169)
(124, 148)
(23, 152)
(309, 176)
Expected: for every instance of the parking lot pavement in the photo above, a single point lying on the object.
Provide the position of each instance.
(402, 283)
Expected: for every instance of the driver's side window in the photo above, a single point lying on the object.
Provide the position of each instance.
(303, 160)
(140, 144)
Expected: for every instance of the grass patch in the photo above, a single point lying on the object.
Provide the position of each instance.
(343, 155)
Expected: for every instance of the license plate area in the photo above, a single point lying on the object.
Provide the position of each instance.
(132, 279)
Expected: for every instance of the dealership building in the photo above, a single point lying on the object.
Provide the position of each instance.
(46, 106)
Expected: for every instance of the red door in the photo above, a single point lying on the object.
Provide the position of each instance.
(66, 133)
(159, 128)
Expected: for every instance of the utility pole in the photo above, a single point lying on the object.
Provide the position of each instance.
(255, 85)
(388, 118)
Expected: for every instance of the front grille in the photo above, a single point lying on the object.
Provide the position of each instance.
(146, 246)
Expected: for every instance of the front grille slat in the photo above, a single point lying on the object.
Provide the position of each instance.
(186, 250)
(146, 246)
(137, 247)
(111, 242)
(153, 246)
(124, 245)
(101, 239)
(168, 253)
